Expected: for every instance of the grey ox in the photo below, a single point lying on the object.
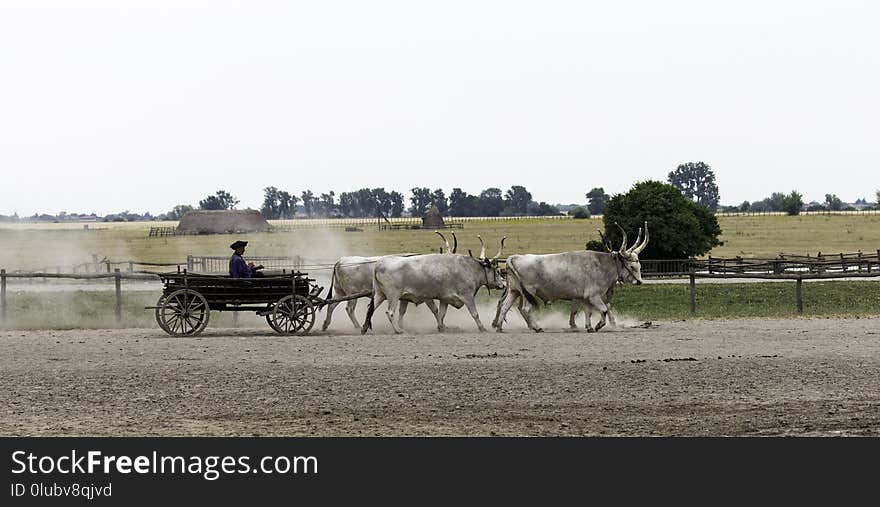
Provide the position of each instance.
(354, 275)
(452, 279)
(582, 277)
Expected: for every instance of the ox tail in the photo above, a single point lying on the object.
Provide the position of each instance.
(332, 280)
(522, 288)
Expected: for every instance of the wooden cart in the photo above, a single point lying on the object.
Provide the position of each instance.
(288, 302)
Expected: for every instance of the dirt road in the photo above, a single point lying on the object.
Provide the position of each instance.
(739, 377)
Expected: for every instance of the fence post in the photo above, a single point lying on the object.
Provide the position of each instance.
(800, 295)
(131, 266)
(118, 311)
(108, 266)
(189, 262)
(3, 296)
(693, 285)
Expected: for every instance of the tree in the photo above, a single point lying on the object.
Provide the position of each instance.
(877, 202)
(542, 209)
(396, 204)
(439, 199)
(596, 200)
(346, 203)
(833, 203)
(328, 204)
(462, 204)
(744, 206)
(697, 182)
(490, 203)
(517, 200)
(421, 200)
(792, 203)
(679, 228)
(221, 200)
(178, 211)
(309, 201)
(579, 212)
(269, 209)
(286, 205)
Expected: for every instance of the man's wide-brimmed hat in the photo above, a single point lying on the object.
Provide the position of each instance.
(238, 244)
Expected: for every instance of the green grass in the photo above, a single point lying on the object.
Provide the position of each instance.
(94, 309)
(733, 300)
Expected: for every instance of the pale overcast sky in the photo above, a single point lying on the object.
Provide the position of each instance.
(141, 105)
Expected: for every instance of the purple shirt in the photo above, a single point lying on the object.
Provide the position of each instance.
(238, 268)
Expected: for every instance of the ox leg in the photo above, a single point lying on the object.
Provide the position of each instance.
(472, 307)
(575, 308)
(441, 315)
(433, 307)
(349, 309)
(588, 313)
(503, 307)
(330, 308)
(375, 301)
(600, 305)
(525, 308)
(404, 304)
(392, 308)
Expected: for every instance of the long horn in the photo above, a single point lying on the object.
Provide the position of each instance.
(454, 243)
(637, 242)
(622, 243)
(483, 248)
(444, 240)
(605, 241)
(642, 246)
(500, 249)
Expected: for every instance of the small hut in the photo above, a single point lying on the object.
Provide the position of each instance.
(433, 218)
(222, 222)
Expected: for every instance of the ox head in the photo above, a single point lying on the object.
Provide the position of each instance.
(491, 266)
(629, 267)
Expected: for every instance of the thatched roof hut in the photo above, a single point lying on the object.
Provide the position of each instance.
(432, 218)
(222, 221)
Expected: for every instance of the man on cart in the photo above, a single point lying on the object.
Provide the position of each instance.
(238, 267)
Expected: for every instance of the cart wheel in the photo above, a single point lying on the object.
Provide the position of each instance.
(269, 319)
(159, 320)
(293, 315)
(183, 313)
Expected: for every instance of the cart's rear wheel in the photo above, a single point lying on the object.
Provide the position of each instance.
(269, 318)
(184, 312)
(159, 320)
(292, 315)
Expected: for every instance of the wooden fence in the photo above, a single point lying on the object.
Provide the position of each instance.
(117, 277)
(796, 268)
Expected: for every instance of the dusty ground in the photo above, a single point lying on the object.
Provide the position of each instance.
(740, 377)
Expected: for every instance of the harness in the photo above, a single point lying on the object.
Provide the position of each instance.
(618, 260)
(486, 263)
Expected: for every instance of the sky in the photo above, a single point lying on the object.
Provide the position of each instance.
(142, 105)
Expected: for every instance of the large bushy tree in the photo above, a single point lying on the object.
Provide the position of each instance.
(697, 182)
(679, 228)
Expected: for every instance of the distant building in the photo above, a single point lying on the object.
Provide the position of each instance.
(222, 222)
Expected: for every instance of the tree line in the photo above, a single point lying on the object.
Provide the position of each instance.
(370, 202)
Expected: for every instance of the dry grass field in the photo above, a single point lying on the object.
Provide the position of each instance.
(49, 245)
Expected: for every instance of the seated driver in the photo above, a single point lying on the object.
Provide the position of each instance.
(238, 268)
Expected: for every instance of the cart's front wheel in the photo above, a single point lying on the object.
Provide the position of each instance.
(292, 315)
(183, 313)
